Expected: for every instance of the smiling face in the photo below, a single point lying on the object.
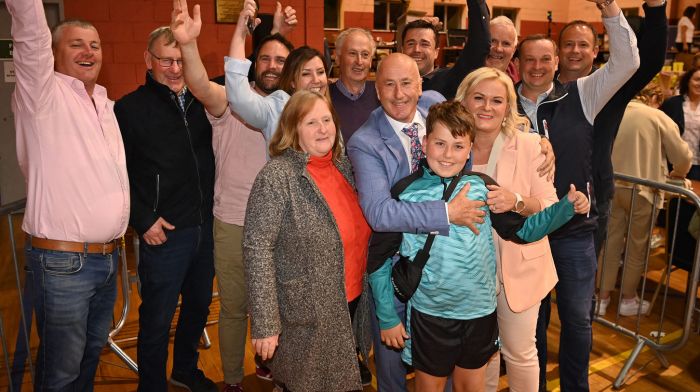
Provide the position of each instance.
(316, 130)
(419, 44)
(268, 66)
(537, 63)
(577, 50)
(398, 87)
(446, 154)
(170, 76)
(355, 58)
(78, 53)
(502, 46)
(487, 101)
(312, 77)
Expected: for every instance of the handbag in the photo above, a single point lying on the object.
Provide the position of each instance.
(406, 274)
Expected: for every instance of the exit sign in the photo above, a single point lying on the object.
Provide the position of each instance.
(5, 49)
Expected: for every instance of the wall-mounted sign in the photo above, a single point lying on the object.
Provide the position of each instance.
(9, 71)
(227, 10)
(5, 49)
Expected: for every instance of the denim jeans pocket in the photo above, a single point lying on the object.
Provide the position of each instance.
(62, 263)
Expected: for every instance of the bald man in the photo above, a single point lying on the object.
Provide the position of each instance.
(382, 152)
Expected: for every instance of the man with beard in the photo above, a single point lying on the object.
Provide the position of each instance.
(240, 152)
(420, 41)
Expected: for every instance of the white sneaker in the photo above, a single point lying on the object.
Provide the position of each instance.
(630, 307)
(602, 305)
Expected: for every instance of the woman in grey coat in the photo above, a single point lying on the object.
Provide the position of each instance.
(305, 243)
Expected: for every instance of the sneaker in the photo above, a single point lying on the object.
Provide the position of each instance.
(233, 388)
(365, 374)
(195, 382)
(602, 306)
(630, 307)
(263, 372)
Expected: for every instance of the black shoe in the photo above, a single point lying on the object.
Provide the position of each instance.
(365, 374)
(195, 381)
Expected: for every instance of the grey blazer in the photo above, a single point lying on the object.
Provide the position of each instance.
(294, 265)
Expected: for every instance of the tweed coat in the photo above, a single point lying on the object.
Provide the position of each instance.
(294, 266)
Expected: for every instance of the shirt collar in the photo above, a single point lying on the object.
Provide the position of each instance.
(344, 90)
(397, 126)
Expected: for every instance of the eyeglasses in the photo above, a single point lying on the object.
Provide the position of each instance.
(166, 62)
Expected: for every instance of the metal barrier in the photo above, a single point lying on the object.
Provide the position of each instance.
(655, 339)
(22, 352)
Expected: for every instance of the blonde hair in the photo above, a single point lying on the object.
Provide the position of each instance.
(287, 135)
(513, 120)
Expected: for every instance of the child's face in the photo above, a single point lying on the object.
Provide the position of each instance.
(446, 155)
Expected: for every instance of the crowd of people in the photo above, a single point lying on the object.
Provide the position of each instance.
(484, 185)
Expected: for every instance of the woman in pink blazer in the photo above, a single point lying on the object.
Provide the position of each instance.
(526, 272)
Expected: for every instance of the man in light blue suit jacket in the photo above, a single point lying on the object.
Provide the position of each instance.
(381, 155)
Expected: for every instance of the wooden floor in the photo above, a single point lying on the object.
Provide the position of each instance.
(610, 350)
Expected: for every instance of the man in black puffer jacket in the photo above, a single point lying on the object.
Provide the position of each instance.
(168, 144)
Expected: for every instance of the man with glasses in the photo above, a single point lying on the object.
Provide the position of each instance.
(169, 156)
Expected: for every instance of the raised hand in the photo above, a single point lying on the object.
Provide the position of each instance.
(247, 13)
(186, 29)
(579, 200)
(284, 22)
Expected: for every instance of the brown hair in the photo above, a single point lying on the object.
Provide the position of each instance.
(536, 37)
(294, 65)
(163, 31)
(287, 135)
(453, 116)
(581, 23)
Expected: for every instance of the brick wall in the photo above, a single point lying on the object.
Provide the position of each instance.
(124, 27)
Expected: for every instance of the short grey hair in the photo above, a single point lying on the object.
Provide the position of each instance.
(505, 21)
(340, 40)
(163, 31)
(57, 30)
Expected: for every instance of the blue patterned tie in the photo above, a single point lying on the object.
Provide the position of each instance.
(416, 151)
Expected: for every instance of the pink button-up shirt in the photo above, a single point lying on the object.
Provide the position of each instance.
(69, 149)
(240, 154)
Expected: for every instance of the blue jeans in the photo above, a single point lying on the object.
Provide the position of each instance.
(575, 260)
(73, 297)
(183, 265)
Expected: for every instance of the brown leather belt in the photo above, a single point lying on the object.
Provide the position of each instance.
(70, 246)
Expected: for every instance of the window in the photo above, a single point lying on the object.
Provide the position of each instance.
(450, 15)
(386, 12)
(511, 13)
(331, 14)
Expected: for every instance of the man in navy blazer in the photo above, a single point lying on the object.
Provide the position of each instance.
(381, 155)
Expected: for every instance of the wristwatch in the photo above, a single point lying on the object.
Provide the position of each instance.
(519, 203)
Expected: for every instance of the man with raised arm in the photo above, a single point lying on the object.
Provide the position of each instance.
(71, 154)
(578, 49)
(240, 152)
(565, 113)
(420, 41)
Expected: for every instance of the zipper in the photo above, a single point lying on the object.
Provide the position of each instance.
(194, 155)
(155, 203)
